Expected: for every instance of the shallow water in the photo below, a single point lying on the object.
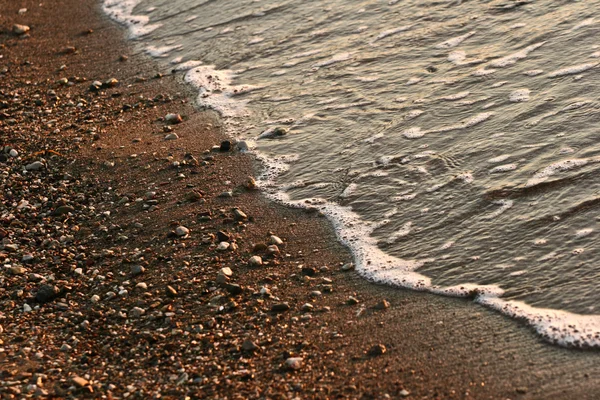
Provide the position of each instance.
(453, 143)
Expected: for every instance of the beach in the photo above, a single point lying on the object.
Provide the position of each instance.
(116, 282)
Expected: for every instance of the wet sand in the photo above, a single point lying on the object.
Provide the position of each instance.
(177, 337)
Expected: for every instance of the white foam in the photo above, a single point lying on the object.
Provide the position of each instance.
(413, 133)
(456, 96)
(454, 41)
(572, 70)
(333, 60)
(503, 168)
(552, 169)
(514, 57)
(499, 159)
(122, 12)
(519, 95)
(391, 32)
(216, 90)
(162, 51)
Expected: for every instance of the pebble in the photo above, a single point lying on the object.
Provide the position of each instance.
(348, 267)
(173, 118)
(226, 271)
(275, 240)
(13, 153)
(377, 350)
(34, 166)
(136, 312)
(80, 382)
(95, 86)
(182, 231)
(171, 136)
(242, 145)
(255, 261)
(227, 194)
(233, 288)
(137, 270)
(223, 246)
(280, 307)
(171, 292)
(225, 146)
(239, 215)
(20, 29)
(95, 298)
(17, 270)
(352, 301)
(142, 285)
(294, 363)
(308, 307)
(404, 393)
(26, 308)
(249, 346)
(47, 293)
(382, 305)
(65, 347)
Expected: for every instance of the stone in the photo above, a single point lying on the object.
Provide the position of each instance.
(249, 346)
(112, 82)
(377, 350)
(280, 307)
(225, 195)
(20, 29)
(225, 146)
(27, 308)
(352, 301)
(182, 231)
(239, 215)
(382, 305)
(171, 292)
(404, 393)
(193, 197)
(223, 236)
(347, 267)
(27, 258)
(250, 183)
(171, 136)
(136, 312)
(275, 240)
(47, 293)
(95, 86)
(308, 307)
(234, 288)
(293, 363)
(80, 382)
(226, 271)
(223, 246)
(13, 153)
(63, 210)
(137, 270)
(255, 261)
(242, 145)
(65, 347)
(34, 166)
(17, 270)
(142, 286)
(173, 118)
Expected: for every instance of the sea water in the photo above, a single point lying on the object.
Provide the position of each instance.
(453, 144)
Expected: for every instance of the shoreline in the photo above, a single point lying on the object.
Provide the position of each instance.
(177, 336)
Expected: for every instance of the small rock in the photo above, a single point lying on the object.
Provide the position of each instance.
(63, 210)
(20, 29)
(182, 231)
(80, 382)
(225, 146)
(239, 215)
(275, 240)
(225, 195)
(242, 145)
(66, 348)
(223, 246)
(136, 312)
(112, 82)
(95, 86)
(293, 363)
(233, 288)
(352, 301)
(226, 271)
(249, 346)
(173, 118)
(281, 307)
(377, 350)
(348, 267)
(47, 293)
(193, 197)
(34, 166)
(27, 308)
(382, 305)
(171, 136)
(404, 393)
(308, 307)
(255, 261)
(13, 153)
(171, 292)
(137, 270)
(17, 270)
(250, 183)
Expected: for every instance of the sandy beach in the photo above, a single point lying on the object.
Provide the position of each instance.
(139, 262)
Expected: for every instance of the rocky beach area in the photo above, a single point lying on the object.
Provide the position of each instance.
(138, 260)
